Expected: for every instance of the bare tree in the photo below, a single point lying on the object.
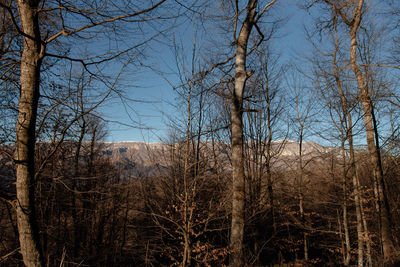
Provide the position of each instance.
(352, 17)
(351, 14)
(303, 111)
(342, 104)
(253, 12)
(32, 16)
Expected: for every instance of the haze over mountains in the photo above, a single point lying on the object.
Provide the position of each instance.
(139, 159)
(143, 159)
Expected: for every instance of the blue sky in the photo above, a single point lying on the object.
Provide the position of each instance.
(145, 119)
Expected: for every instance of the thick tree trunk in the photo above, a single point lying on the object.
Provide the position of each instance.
(238, 181)
(25, 134)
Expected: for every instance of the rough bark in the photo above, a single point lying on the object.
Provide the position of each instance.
(31, 61)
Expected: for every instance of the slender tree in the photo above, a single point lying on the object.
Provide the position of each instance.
(391, 257)
(252, 16)
(351, 14)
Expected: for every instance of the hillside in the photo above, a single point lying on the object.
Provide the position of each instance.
(139, 158)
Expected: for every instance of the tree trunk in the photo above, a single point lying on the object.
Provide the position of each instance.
(365, 229)
(187, 251)
(347, 121)
(347, 118)
(77, 233)
(268, 155)
(238, 181)
(300, 188)
(346, 251)
(24, 156)
(389, 251)
(357, 195)
(342, 241)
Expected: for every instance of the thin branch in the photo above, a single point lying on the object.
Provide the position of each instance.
(267, 6)
(4, 257)
(236, 21)
(381, 65)
(65, 32)
(260, 33)
(64, 131)
(14, 21)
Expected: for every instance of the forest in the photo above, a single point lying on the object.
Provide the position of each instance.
(271, 157)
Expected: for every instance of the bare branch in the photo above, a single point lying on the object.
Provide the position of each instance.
(65, 32)
(267, 6)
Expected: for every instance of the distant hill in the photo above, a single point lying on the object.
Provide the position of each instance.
(139, 159)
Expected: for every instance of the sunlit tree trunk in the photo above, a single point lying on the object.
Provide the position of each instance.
(389, 252)
(238, 181)
(346, 248)
(24, 157)
(357, 197)
(348, 125)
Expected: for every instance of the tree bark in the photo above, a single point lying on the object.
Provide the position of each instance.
(238, 181)
(390, 254)
(24, 157)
